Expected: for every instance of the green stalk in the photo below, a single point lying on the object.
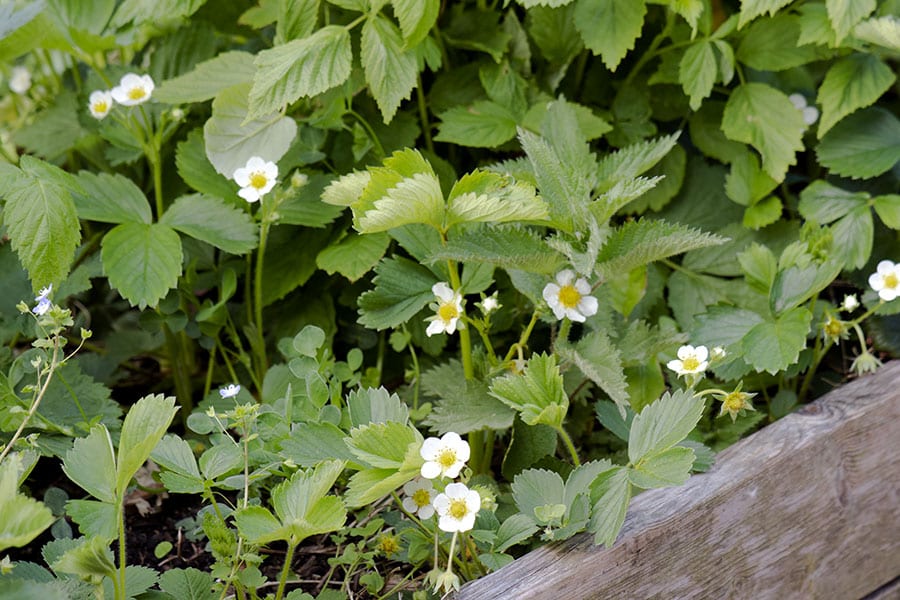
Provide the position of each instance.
(423, 115)
(34, 404)
(120, 592)
(260, 346)
(564, 435)
(282, 581)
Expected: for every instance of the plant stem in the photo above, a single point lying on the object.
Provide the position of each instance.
(123, 559)
(180, 373)
(282, 581)
(423, 115)
(260, 346)
(35, 403)
(564, 435)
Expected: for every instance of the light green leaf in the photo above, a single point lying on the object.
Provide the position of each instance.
(697, 72)
(514, 530)
(347, 189)
(371, 484)
(207, 79)
(144, 426)
(864, 145)
(610, 27)
(534, 489)
(610, 495)
(482, 196)
(765, 118)
(774, 345)
(391, 71)
(663, 469)
(354, 256)
(689, 9)
(747, 183)
(815, 26)
(296, 19)
(213, 221)
(188, 584)
(853, 237)
(91, 558)
(311, 443)
(23, 518)
(750, 9)
(484, 124)
(759, 266)
(111, 199)
(823, 203)
(91, 463)
(763, 213)
(881, 31)
(598, 359)
(629, 162)
(537, 394)
(845, 14)
(223, 459)
(296, 499)
(416, 199)
(41, 220)
(402, 289)
(852, 83)
(259, 525)
(505, 247)
(724, 325)
(771, 45)
(416, 18)
(565, 191)
(196, 170)
(299, 68)
(888, 209)
(663, 424)
(382, 445)
(233, 135)
(142, 261)
(375, 405)
(175, 454)
(94, 518)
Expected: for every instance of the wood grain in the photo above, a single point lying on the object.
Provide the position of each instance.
(808, 508)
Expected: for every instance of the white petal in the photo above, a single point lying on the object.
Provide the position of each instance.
(583, 287)
(255, 163)
(876, 281)
(456, 490)
(685, 352)
(450, 326)
(701, 353)
(448, 524)
(431, 447)
(559, 311)
(441, 503)
(574, 315)
(442, 291)
(434, 328)
(242, 176)
(453, 470)
(250, 194)
(588, 306)
(551, 294)
(426, 511)
(798, 100)
(885, 267)
(270, 170)
(147, 84)
(270, 183)
(430, 470)
(409, 505)
(676, 365)
(466, 523)
(473, 501)
(565, 277)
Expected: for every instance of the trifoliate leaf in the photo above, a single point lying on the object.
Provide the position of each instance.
(391, 71)
(305, 67)
(207, 79)
(598, 359)
(852, 83)
(664, 424)
(760, 115)
(142, 261)
(213, 221)
(774, 345)
(610, 27)
(417, 199)
(864, 145)
(537, 394)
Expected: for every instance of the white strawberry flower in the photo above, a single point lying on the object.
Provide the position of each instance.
(100, 103)
(810, 113)
(133, 89)
(419, 494)
(690, 360)
(20, 80)
(445, 456)
(569, 297)
(447, 310)
(256, 179)
(457, 508)
(886, 280)
(850, 303)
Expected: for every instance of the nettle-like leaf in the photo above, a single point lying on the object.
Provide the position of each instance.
(759, 115)
(610, 27)
(213, 221)
(142, 261)
(629, 162)
(391, 70)
(505, 247)
(852, 83)
(537, 394)
(305, 67)
(863, 145)
(90, 558)
(233, 135)
(41, 219)
(598, 359)
(23, 518)
(206, 80)
(663, 424)
(402, 289)
(565, 190)
(485, 197)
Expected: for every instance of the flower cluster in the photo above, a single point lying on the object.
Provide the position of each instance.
(132, 90)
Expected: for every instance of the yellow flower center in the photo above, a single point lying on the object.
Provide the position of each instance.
(448, 312)
(891, 281)
(458, 509)
(834, 327)
(136, 93)
(447, 458)
(258, 180)
(690, 363)
(421, 497)
(569, 296)
(734, 402)
(389, 544)
(101, 106)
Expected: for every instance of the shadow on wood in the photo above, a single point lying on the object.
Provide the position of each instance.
(808, 507)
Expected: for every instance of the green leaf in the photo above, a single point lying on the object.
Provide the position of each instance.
(759, 266)
(514, 530)
(207, 79)
(697, 72)
(534, 489)
(91, 558)
(482, 196)
(763, 213)
(598, 359)
(175, 454)
(233, 135)
(610, 27)
(484, 124)
(354, 256)
(382, 445)
(610, 494)
(300, 68)
(110, 199)
(765, 118)
(23, 518)
(142, 261)
(774, 345)
(853, 236)
(823, 203)
(91, 463)
(94, 518)
(144, 425)
(663, 424)
(220, 460)
(188, 584)
(565, 190)
(463, 410)
(416, 199)
(375, 405)
(196, 170)
(311, 443)
(391, 71)
(881, 31)
(864, 145)
(771, 45)
(416, 18)
(845, 14)
(888, 209)
(296, 19)
(41, 220)
(627, 163)
(528, 444)
(852, 83)
(305, 206)
(668, 468)
(746, 183)
(213, 221)
(537, 394)
(504, 247)
(402, 289)
(639, 243)
(54, 130)
(74, 399)
(259, 525)
(706, 133)
(371, 484)
(750, 9)
(724, 325)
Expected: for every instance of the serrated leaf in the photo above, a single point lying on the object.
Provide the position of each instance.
(213, 221)
(663, 469)
(537, 394)
(175, 454)
(882, 31)
(300, 68)
(760, 115)
(852, 83)
(888, 209)
(482, 196)
(853, 236)
(305, 206)
(514, 530)
(188, 584)
(747, 183)
(641, 242)
(142, 261)
(774, 345)
(354, 256)
(259, 525)
(40, 220)
(845, 14)
(464, 410)
(196, 170)
(91, 558)
(233, 135)
(610, 494)
(750, 9)
(94, 518)
(864, 145)
(111, 199)
(697, 72)
(23, 518)
(416, 199)
(724, 325)
(771, 45)
(347, 189)
(402, 289)
(598, 359)
(91, 463)
(74, 399)
(54, 131)
(416, 18)
(610, 27)
(207, 79)
(484, 124)
(296, 19)
(663, 424)
(311, 443)
(144, 425)
(382, 445)
(223, 459)
(297, 498)
(629, 162)
(536, 488)
(375, 405)
(823, 203)
(391, 71)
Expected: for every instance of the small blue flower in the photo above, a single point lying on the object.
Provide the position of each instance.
(229, 391)
(43, 301)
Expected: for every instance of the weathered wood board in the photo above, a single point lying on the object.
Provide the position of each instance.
(808, 508)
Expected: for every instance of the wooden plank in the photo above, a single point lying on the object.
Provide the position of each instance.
(890, 591)
(808, 507)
